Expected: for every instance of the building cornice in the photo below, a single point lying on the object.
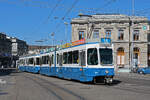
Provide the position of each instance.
(106, 21)
(138, 42)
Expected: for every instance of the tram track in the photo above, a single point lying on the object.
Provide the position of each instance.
(59, 92)
(132, 87)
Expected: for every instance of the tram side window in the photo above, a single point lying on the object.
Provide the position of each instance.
(45, 59)
(27, 61)
(92, 58)
(82, 58)
(40, 61)
(21, 62)
(24, 62)
(58, 58)
(69, 57)
(75, 55)
(51, 59)
(37, 61)
(65, 58)
(50, 62)
(31, 61)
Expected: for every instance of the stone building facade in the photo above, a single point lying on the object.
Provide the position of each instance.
(5, 51)
(10, 50)
(126, 34)
(5, 45)
(35, 49)
(19, 47)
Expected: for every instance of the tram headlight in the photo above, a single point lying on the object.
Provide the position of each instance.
(106, 71)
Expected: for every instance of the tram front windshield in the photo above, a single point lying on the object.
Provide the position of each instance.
(105, 56)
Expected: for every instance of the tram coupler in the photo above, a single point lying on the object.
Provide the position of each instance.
(108, 80)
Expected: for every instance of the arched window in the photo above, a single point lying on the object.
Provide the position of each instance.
(120, 57)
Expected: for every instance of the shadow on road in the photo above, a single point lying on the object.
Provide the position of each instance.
(116, 82)
(4, 72)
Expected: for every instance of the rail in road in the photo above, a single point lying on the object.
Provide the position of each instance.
(59, 92)
(28, 86)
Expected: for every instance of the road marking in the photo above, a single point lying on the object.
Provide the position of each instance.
(2, 81)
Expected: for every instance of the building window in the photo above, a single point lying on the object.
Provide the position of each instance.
(135, 35)
(108, 34)
(96, 34)
(120, 34)
(81, 35)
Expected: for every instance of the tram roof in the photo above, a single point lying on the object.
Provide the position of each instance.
(57, 49)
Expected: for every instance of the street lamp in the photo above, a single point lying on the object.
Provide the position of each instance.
(130, 44)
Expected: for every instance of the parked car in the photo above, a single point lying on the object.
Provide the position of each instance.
(145, 70)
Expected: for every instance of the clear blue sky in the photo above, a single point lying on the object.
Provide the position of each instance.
(33, 20)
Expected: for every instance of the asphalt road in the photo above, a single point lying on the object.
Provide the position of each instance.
(27, 86)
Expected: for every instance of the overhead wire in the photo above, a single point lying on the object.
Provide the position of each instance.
(65, 15)
(50, 14)
(95, 10)
(28, 3)
(53, 9)
(105, 5)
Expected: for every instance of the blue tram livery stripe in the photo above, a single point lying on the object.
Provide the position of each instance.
(81, 74)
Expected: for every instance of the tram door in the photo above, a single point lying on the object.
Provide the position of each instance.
(60, 63)
(148, 59)
(50, 62)
(82, 58)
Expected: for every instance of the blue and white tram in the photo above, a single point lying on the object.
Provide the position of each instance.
(30, 64)
(21, 64)
(85, 62)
